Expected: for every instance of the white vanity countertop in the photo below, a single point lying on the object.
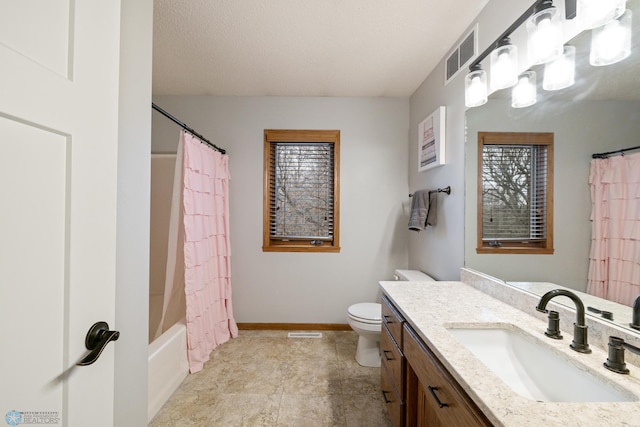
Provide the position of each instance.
(429, 306)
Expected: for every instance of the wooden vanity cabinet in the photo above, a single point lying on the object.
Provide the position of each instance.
(433, 396)
(393, 401)
(393, 365)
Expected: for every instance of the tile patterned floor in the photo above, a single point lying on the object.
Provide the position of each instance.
(263, 378)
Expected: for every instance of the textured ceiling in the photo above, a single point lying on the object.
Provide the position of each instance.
(302, 47)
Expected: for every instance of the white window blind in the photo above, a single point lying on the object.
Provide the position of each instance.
(514, 193)
(301, 205)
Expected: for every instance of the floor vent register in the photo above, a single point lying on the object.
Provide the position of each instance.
(304, 335)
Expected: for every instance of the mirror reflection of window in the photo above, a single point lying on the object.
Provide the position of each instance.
(515, 185)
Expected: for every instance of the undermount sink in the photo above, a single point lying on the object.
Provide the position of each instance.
(533, 369)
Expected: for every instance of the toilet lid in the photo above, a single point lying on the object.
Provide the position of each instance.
(368, 312)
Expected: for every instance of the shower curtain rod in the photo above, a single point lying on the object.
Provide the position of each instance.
(615, 153)
(187, 128)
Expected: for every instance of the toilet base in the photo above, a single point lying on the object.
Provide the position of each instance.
(368, 352)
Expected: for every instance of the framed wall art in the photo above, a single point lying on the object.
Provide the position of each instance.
(431, 140)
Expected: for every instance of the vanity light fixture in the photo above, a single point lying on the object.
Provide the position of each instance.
(545, 40)
(595, 13)
(504, 65)
(544, 28)
(475, 87)
(560, 73)
(611, 42)
(524, 93)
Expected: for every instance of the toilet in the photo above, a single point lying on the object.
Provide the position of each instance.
(365, 318)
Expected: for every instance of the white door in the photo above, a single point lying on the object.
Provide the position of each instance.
(58, 164)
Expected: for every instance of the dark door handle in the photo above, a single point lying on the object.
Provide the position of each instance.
(97, 339)
(432, 390)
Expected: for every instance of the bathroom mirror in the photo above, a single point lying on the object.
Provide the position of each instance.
(599, 113)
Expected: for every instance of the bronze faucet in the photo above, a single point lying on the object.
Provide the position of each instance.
(579, 342)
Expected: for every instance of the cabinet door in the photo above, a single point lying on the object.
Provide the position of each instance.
(431, 413)
(426, 413)
(439, 400)
(392, 400)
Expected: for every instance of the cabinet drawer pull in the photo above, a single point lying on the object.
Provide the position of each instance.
(384, 396)
(386, 318)
(432, 390)
(386, 356)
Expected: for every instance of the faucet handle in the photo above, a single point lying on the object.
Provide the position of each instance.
(579, 342)
(615, 360)
(635, 322)
(553, 329)
(605, 314)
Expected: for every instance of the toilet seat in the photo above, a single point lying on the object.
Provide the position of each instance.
(366, 312)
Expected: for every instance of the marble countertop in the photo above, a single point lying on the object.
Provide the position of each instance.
(431, 306)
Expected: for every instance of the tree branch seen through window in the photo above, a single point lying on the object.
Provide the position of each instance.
(301, 207)
(515, 181)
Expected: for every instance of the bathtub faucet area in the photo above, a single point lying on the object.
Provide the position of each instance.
(168, 366)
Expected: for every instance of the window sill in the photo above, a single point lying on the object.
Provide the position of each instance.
(298, 248)
(515, 250)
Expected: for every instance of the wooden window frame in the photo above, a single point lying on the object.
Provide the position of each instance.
(544, 246)
(300, 136)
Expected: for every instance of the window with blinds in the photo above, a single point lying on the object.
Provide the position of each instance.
(515, 204)
(301, 190)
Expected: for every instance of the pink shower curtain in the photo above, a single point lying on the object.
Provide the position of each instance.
(614, 266)
(207, 252)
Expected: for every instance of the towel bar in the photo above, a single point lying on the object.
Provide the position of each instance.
(446, 190)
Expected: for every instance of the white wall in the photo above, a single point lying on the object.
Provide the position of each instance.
(439, 251)
(306, 287)
(132, 233)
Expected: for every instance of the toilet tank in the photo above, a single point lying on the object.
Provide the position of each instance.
(412, 276)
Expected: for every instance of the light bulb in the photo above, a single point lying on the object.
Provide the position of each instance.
(594, 13)
(524, 93)
(611, 43)
(476, 88)
(504, 66)
(545, 36)
(560, 73)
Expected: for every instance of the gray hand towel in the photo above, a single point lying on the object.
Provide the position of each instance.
(419, 210)
(433, 207)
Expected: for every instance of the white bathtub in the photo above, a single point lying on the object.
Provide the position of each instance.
(167, 366)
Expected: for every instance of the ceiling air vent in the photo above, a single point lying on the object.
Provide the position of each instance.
(463, 53)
